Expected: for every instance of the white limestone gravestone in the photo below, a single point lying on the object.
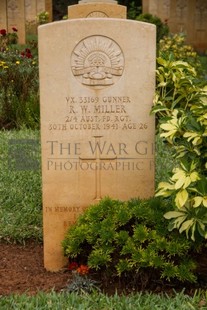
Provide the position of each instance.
(97, 80)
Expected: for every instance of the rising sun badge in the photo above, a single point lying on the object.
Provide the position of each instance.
(97, 61)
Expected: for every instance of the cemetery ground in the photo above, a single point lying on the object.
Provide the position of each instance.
(25, 284)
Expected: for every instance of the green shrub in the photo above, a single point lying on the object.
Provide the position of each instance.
(181, 108)
(43, 18)
(19, 89)
(126, 238)
(173, 47)
(134, 10)
(8, 38)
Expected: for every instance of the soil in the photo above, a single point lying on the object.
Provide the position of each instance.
(22, 271)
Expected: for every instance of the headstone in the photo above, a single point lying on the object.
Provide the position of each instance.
(45, 5)
(97, 81)
(40, 6)
(186, 16)
(3, 15)
(48, 8)
(32, 9)
(31, 16)
(88, 9)
(16, 18)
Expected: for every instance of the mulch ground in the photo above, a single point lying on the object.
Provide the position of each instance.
(22, 271)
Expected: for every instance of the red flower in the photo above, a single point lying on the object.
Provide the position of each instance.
(14, 29)
(3, 32)
(26, 53)
(73, 266)
(83, 269)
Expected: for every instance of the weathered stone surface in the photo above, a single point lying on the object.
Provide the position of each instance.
(96, 10)
(3, 17)
(186, 16)
(16, 18)
(97, 81)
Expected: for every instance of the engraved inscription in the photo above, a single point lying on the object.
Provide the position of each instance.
(98, 113)
(97, 14)
(97, 61)
(97, 159)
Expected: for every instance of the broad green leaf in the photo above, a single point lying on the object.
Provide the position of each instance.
(168, 127)
(193, 232)
(194, 176)
(168, 134)
(187, 182)
(186, 225)
(173, 214)
(201, 225)
(178, 174)
(166, 185)
(171, 225)
(180, 62)
(180, 220)
(161, 61)
(178, 100)
(162, 84)
(197, 201)
(205, 202)
(158, 108)
(181, 198)
(200, 229)
(163, 193)
(180, 182)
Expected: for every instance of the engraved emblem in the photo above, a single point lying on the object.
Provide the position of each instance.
(97, 61)
(12, 4)
(97, 14)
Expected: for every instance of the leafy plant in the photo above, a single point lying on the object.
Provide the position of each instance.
(134, 10)
(173, 47)
(80, 283)
(19, 89)
(181, 108)
(43, 18)
(8, 38)
(125, 238)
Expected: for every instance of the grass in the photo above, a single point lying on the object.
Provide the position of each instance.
(95, 301)
(20, 191)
